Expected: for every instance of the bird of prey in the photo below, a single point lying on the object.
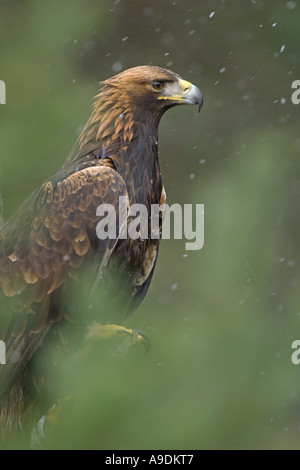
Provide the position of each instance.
(50, 244)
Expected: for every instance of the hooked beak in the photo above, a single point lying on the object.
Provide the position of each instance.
(185, 93)
(191, 94)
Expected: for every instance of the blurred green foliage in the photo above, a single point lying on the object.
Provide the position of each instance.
(221, 320)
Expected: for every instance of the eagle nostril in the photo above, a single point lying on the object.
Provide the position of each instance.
(185, 86)
(186, 89)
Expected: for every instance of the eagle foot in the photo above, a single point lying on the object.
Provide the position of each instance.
(97, 332)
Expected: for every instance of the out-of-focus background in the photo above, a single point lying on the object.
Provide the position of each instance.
(222, 319)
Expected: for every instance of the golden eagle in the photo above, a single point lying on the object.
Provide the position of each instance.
(52, 236)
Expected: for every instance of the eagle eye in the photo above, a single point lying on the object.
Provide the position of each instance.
(157, 85)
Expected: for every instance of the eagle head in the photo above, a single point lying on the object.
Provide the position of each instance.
(152, 89)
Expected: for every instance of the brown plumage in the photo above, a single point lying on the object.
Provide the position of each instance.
(52, 237)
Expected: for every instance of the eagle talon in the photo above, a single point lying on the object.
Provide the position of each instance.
(143, 339)
(97, 332)
(46, 423)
